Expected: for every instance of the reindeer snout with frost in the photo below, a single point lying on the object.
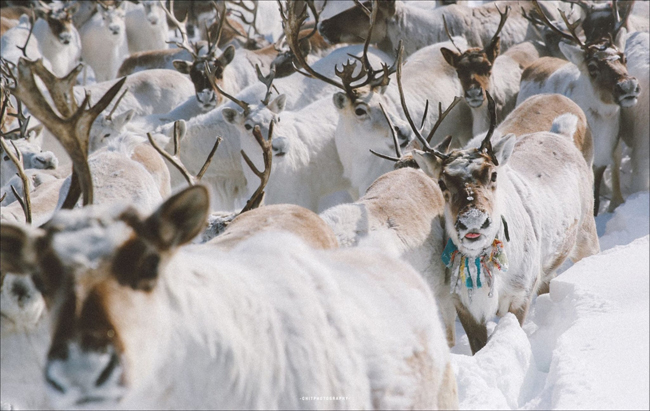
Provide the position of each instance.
(33, 157)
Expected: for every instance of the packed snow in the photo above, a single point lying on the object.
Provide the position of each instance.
(585, 344)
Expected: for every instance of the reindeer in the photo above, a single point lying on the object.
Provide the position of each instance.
(513, 213)
(418, 27)
(596, 78)
(19, 42)
(130, 254)
(103, 40)
(475, 69)
(634, 120)
(58, 39)
(146, 27)
(6, 25)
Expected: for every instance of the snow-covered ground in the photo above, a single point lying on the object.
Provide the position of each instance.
(585, 344)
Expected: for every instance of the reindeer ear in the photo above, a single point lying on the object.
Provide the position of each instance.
(18, 254)
(179, 219)
(450, 56)
(73, 8)
(227, 56)
(124, 118)
(443, 146)
(182, 66)
(277, 105)
(35, 135)
(493, 49)
(503, 148)
(230, 115)
(341, 100)
(429, 163)
(573, 53)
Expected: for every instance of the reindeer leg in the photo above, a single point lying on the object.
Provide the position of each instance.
(598, 179)
(617, 196)
(476, 332)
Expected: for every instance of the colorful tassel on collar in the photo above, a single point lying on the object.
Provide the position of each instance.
(493, 259)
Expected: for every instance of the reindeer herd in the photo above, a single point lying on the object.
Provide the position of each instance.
(240, 204)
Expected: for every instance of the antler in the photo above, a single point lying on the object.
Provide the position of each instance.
(71, 125)
(267, 81)
(267, 149)
(175, 159)
(441, 114)
(29, 36)
(17, 159)
(620, 21)
(444, 21)
(502, 22)
(292, 21)
(109, 117)
(573, 37)
(398, 150)
(182, 28)
(486, 145)
(213, 82)
(222, 23)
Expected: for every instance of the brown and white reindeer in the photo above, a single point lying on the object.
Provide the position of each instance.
(485, 69)
(596, 78)
(514, 211)
(417, 27)
(58, 39)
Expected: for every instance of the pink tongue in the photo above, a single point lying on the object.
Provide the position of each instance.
(472, 235)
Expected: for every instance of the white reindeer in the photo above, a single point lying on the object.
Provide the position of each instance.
(634, 120)
(596, 78)
(58, 39)
(114, 357)
(103, 40)
(146, 27)
(513, 214)
(33, 158)
(18, 36)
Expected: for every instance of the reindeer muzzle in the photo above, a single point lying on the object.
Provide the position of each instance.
(627, 92)
(474, 97)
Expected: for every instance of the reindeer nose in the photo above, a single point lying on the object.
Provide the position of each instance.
(280, 146)
(627, 92)
(115, 29)
(474, 96)
(153, 19)
(46, 161)
(65, 38)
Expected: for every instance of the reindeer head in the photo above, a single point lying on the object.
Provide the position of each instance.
(33, 157)
(352, 25)
(605, 65)
(197, 72)
(151, 9)
(474, 66)
(59, 19)
(112, 19)
(21, 304)
(601, 60)
(96, 266)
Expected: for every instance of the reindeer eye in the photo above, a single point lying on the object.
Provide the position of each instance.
(6, 158)
(360, 112)
(494, 177)
(107, 135)
(248, 127)
(442, 185)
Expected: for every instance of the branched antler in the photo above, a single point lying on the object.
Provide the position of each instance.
(486, 144)
(182, 28)
(502, 22)
(398, 151)
(573, 37)
(267, 81)
(213, 82)
(267, 150)
(17, 158)
(175, 158)
(109, 117)
(444, 21)
(29, 36)
(70, 123)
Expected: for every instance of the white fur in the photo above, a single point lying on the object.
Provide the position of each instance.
(62, 57)
(565, 124)
(635, 120)
(104, 44)
(284, 331)
(146, 27)
(33, 157)
(425, 76)
(24, 339)
(16, 37)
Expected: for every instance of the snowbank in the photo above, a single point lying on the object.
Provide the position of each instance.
(584, 345)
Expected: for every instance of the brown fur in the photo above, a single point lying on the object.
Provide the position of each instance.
(14, 12)
(155, 165)
(542, 69)
(524, 54)
(6, 24)
(149, 59)
(537, 114)
(286, 217)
